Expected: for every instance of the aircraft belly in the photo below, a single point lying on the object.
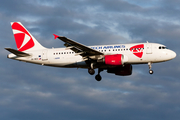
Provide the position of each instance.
(69, 61)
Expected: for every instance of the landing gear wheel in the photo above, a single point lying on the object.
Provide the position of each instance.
(150, 66)
(150, 71)
(91, 71)
(98, 77)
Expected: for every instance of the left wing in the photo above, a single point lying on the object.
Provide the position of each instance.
(78, 48)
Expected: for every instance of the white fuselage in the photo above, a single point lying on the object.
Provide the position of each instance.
(139, 53)
(116, 59)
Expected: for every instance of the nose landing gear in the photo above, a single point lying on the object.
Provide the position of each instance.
(150, 71)
(150, 66)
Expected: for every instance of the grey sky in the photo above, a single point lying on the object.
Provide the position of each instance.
(33, 92)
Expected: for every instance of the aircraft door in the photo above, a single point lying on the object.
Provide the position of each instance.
(148, 48)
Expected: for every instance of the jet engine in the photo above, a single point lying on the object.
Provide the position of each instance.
(116, 59)
(121, 70)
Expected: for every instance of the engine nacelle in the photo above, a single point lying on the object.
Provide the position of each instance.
(115, 60)
(121, 70)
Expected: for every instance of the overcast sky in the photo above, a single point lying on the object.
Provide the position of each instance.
(34, 92)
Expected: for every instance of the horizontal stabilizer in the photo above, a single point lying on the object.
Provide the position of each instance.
(18, 53)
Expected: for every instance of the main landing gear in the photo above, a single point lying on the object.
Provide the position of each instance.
(150, 66)
(98, 76)
(92, 72)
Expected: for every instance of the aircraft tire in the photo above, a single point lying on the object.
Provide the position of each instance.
(91, 71)
(151, 72)
(98, 77)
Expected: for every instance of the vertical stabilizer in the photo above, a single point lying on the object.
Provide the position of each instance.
(24, 40)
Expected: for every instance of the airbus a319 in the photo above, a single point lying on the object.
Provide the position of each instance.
(116, 59)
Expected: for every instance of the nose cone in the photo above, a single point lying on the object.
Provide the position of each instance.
(166, 55)
(173, 54)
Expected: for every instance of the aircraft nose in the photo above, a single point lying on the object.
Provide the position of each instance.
(173, 54)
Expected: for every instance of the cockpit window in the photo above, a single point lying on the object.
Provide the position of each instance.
(163, 47)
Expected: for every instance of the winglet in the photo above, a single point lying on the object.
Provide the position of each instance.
(55, 36)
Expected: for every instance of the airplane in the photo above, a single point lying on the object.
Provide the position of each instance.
(116, 59)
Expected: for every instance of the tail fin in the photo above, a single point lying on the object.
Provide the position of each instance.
(24, 40)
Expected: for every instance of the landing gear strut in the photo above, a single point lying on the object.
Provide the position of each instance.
(91, 70)
(150, 66)
(98, 76)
